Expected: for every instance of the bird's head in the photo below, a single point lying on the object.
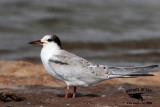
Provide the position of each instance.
(48, 40)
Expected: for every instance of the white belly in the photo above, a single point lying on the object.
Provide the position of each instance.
(45, 56)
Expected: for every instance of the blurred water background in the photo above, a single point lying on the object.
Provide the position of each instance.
(114, 32)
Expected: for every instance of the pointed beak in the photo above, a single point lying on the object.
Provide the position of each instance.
(38, 42)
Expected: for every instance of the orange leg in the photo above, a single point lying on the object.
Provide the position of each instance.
(74, 94)
(67, 92)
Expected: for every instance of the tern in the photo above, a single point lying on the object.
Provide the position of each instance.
(76, 71)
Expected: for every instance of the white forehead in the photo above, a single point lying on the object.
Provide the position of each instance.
(46, 37)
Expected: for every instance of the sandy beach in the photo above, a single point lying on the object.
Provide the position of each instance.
(104, 32)
(24, 84)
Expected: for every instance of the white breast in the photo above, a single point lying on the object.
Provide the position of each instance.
(46, 53)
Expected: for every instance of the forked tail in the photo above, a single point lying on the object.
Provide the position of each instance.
(124, 72)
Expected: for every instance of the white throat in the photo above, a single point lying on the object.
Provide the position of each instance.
(49, 50)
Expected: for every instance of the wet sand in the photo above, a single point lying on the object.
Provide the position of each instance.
(23, 84)
(96, 96)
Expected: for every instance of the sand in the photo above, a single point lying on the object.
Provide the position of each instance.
(24, 84)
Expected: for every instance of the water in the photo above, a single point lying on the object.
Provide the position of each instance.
(103, 31)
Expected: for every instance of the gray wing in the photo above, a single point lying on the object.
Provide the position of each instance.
(67, 58)
(71, 66)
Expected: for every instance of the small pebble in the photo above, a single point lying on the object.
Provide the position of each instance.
(103, 95)
(67, 104)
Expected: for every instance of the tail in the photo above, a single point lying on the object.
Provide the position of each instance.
(131, 72)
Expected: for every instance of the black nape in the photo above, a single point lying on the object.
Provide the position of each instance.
(56, 40)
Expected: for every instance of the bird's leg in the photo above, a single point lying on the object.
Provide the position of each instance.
(67, 92)
(74, 94)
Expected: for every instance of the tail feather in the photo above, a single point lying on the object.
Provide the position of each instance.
(136, 75)
(124, 72)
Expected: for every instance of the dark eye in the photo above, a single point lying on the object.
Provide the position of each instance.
(49, 40)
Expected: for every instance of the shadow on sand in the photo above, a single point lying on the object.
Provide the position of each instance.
(78, 95)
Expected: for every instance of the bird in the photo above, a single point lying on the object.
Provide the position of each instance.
(76, 71)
